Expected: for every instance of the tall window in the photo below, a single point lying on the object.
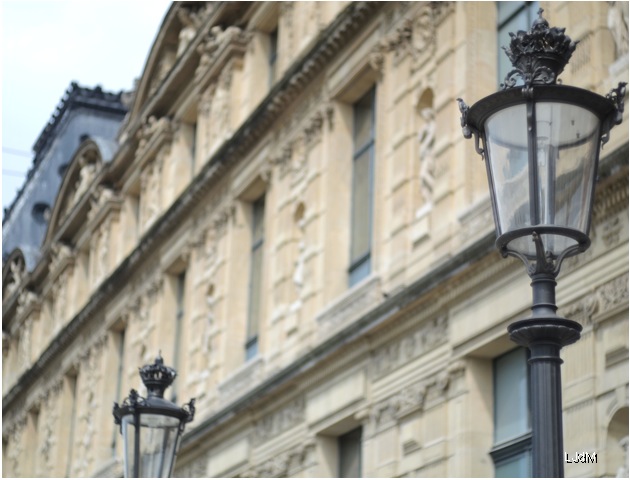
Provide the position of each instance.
(70, 408)
(512, 426)
(255, 277)
(349, 447)
(512, 17)
(362, 188)
(273, 56)
(119, 343)
(180, 311)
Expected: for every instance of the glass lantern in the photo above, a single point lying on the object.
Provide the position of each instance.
(152, 427)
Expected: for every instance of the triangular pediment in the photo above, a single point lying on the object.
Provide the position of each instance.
(180, 24)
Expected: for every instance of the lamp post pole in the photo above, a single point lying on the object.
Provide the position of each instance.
(545, 333)
(540, 141)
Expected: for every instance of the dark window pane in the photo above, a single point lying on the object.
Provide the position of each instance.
(255, 277)
(361, 207)
(517, 466)
(350, 454)
(364, 121)
(511, 407)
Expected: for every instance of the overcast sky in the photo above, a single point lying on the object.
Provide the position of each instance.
(48, 44)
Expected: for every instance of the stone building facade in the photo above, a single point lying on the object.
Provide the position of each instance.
(294, 219)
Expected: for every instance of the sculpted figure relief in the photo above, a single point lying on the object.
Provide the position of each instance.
(86, 175)
(618, 25)
(426, 138)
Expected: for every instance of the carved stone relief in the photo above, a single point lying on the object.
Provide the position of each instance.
(90, 378)
(101, 196)
(191, 20)
(99, 251)
(60, 255)
(618, 26)
(215, 43)
(89, 166)
(412, 398)
(605, 298)
(150, 192)
(426, 139)
(49, 428)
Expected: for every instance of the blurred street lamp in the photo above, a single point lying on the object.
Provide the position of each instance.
(152, 427)
(540, 141)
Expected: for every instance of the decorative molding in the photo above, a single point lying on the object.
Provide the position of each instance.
(411, 346)
(275, 423)
(611, 197)
(197, 468)
(284, 464)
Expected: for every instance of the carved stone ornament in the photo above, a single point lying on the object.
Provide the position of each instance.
(148, 130)
(606, 298)
(17, 271)
(411, 398)
(26, 299)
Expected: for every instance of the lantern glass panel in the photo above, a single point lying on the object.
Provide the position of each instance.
(551, 188)
(128, 430)
(158, 440)
(158, 436)
(506, 141)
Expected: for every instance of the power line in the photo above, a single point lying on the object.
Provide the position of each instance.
(16, 151)
(13, 173)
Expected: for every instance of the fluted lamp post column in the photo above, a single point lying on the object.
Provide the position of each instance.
(540, 141)
(152, 427)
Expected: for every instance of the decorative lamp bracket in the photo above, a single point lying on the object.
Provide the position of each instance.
(467, 130)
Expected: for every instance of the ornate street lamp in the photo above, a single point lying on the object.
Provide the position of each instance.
(152, 427)
(540, 141)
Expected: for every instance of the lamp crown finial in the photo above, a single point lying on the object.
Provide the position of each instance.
(157, 377)
(538, 55)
